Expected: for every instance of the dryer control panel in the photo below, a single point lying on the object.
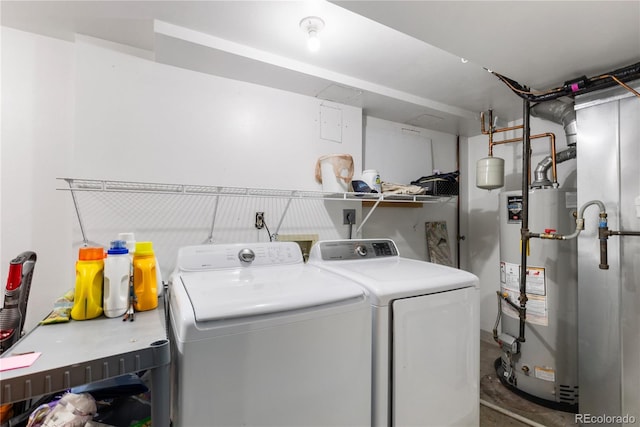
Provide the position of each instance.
(334, 250)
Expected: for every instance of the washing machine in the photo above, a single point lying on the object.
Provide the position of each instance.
(426, 333)
(261, 339)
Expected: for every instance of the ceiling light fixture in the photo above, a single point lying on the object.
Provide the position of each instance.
(312, 25)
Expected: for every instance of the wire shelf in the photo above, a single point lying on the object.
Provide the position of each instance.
(177, 215)
(204, 190)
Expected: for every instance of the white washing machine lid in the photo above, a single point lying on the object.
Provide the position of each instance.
(247, 292)
(384, 273)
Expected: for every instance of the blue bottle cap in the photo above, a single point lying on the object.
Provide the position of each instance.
(118, 247)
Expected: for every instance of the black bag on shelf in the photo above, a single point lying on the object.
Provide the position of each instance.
(443, 184)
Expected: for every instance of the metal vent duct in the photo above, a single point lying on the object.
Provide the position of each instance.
(564, 114)
(559, 112)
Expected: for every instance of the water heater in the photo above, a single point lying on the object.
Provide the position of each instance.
(545, 366)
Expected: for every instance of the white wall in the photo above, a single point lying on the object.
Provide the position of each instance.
(84, 111)
(80, 110)
(406, 226)
(37, 135)
(483, 215)
(140, 120)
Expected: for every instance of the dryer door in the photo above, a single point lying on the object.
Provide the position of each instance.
(436, 359)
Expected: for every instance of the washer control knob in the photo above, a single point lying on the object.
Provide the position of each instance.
(246, 255)
(361, 250)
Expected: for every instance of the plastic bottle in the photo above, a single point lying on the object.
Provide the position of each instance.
(87, 303)
(131, 245)
(117, 270)
(372, 178)
(144, 277)
(130, 242)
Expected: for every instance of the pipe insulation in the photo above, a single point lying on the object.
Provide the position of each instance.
(577, 86)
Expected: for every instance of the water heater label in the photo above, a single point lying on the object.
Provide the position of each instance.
(514, 209)
(510, 278)
(536, 292)
(546, 374)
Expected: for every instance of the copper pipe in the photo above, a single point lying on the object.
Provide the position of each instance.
(485, 132)
(552, 138)
(491, 130)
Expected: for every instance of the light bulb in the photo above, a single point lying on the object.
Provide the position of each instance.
(312, 25)
(313, 43)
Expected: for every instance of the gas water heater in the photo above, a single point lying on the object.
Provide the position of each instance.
(545, 366)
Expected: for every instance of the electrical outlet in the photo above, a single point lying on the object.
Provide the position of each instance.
(259, 220)
(348, 216)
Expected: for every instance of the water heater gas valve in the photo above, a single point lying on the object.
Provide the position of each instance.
(508, 343)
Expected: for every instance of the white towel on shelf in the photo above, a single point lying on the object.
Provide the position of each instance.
(391, 188)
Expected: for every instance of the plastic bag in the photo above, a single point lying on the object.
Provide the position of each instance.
(61, 309)
(72, 410)
(340, 163)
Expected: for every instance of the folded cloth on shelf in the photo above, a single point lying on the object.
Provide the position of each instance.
(391, 188)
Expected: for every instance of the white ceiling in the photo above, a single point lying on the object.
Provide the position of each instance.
(398, 60)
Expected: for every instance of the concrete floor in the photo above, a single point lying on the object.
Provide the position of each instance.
(492, 391)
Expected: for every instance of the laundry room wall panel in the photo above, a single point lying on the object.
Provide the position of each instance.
(157, 123)
(483, 239)
(85, 111)
(172, 221)
(138, 120)
(608, 339)
(399, 152)
(406, 226)
(37, 134)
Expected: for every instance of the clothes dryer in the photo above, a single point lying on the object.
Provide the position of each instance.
(260, 338)
(426, 333)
